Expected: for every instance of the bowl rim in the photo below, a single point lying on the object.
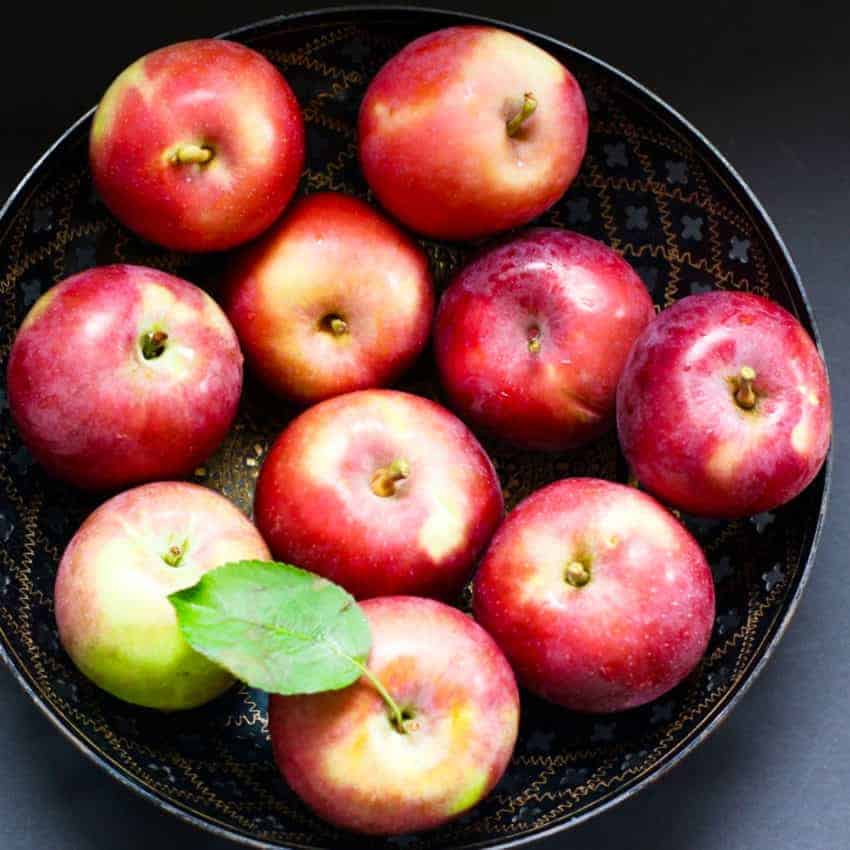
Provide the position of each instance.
(446, 17)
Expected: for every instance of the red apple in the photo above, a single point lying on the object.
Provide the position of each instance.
(532, 335)
(335, 298)
(122, 374)
(598, 596)
(198, 146)
(341, 753)
(380, 491)
(471, 130)
(112, 587)
(724, 406)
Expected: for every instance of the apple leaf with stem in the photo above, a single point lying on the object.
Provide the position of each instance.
(279, 628)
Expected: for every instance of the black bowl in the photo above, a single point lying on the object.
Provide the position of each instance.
(652, 187)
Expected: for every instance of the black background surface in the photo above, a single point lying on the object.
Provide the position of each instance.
(767, 83)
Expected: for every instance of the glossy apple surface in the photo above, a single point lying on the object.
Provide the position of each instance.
(198, 146)
(532, 335)
(123, 374)
(724, 408)
(436, 141)
(599, 597)
(341, 753)
(334, 298)
(112, 610)
(380, 491)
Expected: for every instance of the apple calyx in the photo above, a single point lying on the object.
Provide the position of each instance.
(384, 481)
(335, 325)
(529, 104)
(175, 554)
(745, 395)
(153, 344)
(191, 154)
(576, 574)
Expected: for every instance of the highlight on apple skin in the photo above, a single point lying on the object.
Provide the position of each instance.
(335, 298)
(598, 596)
(122, 374)
(382, 492)
(198, 146)
(342, 755)
(531, 337)
(724, 408)
(112, 610)
(469, 131)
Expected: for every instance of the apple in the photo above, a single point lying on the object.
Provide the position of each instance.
(471, 130)
(532, 335)
(112, 610)
(198, 146)
(122, 374)
(334, 298)
(380, 491)
(342, 754)
(598, 596)
(724, 407)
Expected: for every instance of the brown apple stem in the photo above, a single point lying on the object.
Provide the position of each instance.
(191, 154)
(153, 344)
(385, 479)
(577, 574)
(396, 714)
(745, 395)
(529, 104)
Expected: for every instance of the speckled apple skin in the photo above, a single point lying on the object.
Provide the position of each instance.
(91, 409)
(432, 133)
(331, 254)
(112, 610)
(210, 93)
(315, 506)
(586, 305)
(634, 631)
(341, 755)
(681, 430)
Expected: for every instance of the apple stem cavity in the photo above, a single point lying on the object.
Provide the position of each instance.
(529, 104)
(335, 325)
(745, 395)
(191, 154)
(576, 574)
(534, 342)
(401, 720)
(153, 344)
(386, 478)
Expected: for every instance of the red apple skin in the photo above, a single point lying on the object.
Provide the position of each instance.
(330, 256)
(112, 587)
(340, 753)
(433, 140)
(684, 435)
(315, 504)
(209, 93)
(633, 631)
(582, 303)
(92, 410)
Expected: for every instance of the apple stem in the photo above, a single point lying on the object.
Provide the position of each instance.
(577, 574)
(534, 343)
(175, 554)
(385, 479)
(153, 344)
(191, 154)
(396, 715)
(529, 104)
(745, 395)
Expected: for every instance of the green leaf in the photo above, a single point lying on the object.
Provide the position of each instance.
(275, 627)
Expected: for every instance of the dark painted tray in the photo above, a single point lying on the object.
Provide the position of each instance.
(652, 187)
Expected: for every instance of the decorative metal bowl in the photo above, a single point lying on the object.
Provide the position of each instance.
(653, 188)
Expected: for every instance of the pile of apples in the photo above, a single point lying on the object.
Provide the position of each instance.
(592, 593)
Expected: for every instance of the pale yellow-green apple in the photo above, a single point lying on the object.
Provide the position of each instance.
(334, 298)
(341, 752)
(198, 146)
(471, 130)
(112, 587)
(380, 491)
(122, 374)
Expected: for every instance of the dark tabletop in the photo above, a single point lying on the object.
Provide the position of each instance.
(768, 85)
